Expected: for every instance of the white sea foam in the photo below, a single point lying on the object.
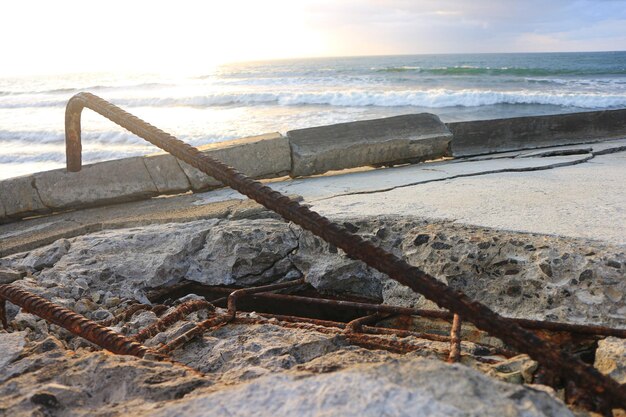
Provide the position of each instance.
(435, 98)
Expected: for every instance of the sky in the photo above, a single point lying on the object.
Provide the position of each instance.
(43, 36)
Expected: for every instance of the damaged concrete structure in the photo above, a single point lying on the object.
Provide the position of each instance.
(516, 274)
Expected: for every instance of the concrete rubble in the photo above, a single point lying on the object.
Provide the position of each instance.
(516, 274)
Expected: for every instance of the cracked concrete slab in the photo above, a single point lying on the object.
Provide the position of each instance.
(584, 200)
(579, 195)
(375, 181)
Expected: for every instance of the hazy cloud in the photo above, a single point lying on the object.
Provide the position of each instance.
(403, 26)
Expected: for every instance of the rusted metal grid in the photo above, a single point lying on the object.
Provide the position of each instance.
(605, 391)
(362, 331)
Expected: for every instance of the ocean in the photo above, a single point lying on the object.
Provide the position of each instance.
(237, 100)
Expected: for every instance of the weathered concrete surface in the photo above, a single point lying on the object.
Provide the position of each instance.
(389, 141)
(329, 270)
(101, 183)
(263, 156)
(243, 252)
(11, 346)
(581, 200)
(54, 382)
(575, 195)
(402, 388)
(20, 198)
(8, 276)
(3, 211)
(500, 135)
(260, 370)
(166, 173)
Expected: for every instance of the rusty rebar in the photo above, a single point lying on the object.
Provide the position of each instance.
(181, 311)
(347, 305)
(229, 316)
(359, 339)
(385, 331)
(546, 353)
(235, 295)
(125, 315)
(356, 325)
(455, 340)
(580, 329)
(208, 324)
(75, 323)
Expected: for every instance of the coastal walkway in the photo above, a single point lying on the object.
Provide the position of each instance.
(573, 191)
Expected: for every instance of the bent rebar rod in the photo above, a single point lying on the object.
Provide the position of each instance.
(585, 376)
(76, 323)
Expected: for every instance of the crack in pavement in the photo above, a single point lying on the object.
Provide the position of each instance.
(474, 174)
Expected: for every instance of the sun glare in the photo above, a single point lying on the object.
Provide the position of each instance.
(182, 36)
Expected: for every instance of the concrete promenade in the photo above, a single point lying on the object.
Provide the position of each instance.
(574, 191)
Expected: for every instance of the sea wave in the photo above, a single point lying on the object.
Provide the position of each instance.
(42, 145)
(515, 71)
(59, 156)
(103, 87)
(434, 98)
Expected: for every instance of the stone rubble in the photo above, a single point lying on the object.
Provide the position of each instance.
(266, 369)
(516, 274)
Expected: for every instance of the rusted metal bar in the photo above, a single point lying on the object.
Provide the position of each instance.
(351, 305)
(231, 313)
(235, 295)
(580, 329)
(359, 339)
(356, 325)
(125, 315)
(385, 331)
(179, 313)
(159, 309)
(546, 353)
(455, 340)
(75, 323)
(210, 323)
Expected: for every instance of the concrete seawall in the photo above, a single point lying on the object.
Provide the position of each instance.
(502, 135)
(379, 142)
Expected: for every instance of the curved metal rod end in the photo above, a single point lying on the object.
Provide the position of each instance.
(73, 146)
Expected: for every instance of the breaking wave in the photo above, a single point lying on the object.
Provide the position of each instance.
(435, 98)
(514, 71)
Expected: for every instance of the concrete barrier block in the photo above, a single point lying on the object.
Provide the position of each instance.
(263, 156)
(166, 173)
(388, 141)
(96, 184)
(512, 134)
(20, 197)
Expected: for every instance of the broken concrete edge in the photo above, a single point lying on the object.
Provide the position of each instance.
(481, 137)
(377, 142)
